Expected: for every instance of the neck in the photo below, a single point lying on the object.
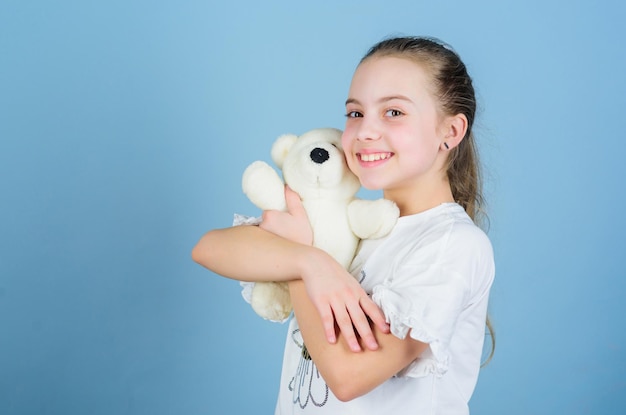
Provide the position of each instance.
(412, 201)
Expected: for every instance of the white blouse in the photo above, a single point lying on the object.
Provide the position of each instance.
(431, 277)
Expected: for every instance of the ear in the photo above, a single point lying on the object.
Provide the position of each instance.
(281, 147)
(454, 129)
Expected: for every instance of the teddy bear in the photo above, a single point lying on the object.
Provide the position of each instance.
(314, 166)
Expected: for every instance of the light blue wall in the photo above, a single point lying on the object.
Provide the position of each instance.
(124, 129)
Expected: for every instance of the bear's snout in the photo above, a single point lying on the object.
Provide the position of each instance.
(319, 155)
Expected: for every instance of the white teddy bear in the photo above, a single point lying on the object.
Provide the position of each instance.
(314, 166)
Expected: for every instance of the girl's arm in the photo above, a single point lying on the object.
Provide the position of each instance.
(273, 251)
(348, 374)
(251, 253)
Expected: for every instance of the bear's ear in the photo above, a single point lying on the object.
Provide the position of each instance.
(281, 147)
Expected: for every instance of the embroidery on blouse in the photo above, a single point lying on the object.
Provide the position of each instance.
(307, 384)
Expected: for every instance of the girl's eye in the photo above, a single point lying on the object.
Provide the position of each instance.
(393, 113)
(354, 114)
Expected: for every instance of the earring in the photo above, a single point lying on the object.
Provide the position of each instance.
(446, 144)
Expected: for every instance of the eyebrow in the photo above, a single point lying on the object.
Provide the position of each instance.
(381, 100)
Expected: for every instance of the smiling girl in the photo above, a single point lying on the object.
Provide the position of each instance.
(406, 335)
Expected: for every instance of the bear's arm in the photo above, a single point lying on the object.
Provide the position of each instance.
(263, 186)
(372, 219)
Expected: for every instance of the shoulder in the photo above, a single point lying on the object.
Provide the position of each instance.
(451, 243)
(444, 227)
(468, 237)
(468, 252)
(451, 228)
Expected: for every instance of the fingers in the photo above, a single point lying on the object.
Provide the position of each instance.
(328, 321)
(294, 204)
(345, 322)
(339, 315)
(362, 325)
(352, 320)
(375, 314)
(343, 305)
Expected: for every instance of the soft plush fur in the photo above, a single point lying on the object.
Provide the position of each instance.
(313, 165)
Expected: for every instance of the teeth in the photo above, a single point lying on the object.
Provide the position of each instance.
(375, 156)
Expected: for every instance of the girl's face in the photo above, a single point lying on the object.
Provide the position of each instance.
(393, 137)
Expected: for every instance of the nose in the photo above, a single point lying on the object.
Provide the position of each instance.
(369, 129)
(319, 155)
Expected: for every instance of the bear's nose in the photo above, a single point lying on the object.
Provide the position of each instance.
(319, 155)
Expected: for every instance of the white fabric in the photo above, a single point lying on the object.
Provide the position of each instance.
(247, 287)
(431, 276)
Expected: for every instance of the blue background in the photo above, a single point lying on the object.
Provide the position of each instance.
(125, 127)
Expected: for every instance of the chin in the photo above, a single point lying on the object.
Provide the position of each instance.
(372, 185)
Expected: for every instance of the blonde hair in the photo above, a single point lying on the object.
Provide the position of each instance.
(453, 88)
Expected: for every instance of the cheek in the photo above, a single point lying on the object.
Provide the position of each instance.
(345, 141)
(346, 145)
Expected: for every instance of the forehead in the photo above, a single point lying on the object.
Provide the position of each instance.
(389, 75)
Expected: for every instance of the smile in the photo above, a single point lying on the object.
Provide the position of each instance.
(373, 156)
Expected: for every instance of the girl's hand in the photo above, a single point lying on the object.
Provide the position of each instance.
(292, 225)
(335, 293)
(340, 299)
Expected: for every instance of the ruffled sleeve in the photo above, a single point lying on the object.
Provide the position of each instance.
(430, 278)
(427, 310)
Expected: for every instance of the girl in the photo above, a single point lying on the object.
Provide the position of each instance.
(419, 311)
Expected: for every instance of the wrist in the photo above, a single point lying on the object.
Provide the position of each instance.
(307, 259)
